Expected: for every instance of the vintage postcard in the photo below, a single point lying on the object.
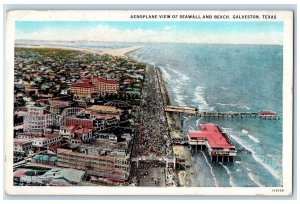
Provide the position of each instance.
(135, 102)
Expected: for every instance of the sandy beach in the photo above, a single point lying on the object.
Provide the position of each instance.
(120, 52)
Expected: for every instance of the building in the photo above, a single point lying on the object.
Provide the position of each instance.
(37, 120)
(96, 85)
(45, 159)
(82, 135)
(82, 122)
(91, 160)
(76, 134)
(268, 115)
(20, 112)
(93, 123)
(83, 89)
(103, 112)
(53, 177)
(102, 85)
(214, 140)
(107, 137)
(39, 140)
(22, 146)
(60, 103)
(67, 132)
(57, 105)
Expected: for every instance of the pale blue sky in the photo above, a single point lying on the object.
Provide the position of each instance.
(145, 31)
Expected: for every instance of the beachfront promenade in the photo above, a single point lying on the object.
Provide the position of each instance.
(152, 150)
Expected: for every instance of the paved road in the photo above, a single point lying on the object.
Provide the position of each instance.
(155, 178)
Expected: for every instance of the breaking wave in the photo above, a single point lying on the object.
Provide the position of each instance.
(211, 170)
(199, 99)
(253, 138)
(229, 174)
(254, 155)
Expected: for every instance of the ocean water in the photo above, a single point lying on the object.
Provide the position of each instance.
(228, 78)
(222, 78)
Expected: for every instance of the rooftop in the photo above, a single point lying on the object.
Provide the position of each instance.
(109, 81)
(213, 135)
(20, 172)
(72, 175)
(46, 158)
(83, 130)
(38, 136)
(82, 85)
(104, 109)
(21, 141)
(70, 128)
(267, 113)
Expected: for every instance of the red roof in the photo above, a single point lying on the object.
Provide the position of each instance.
(267, 113)
(23, 109)
(70, 128)
(101, 79)
(108, 81)
(213, 135)
(86, 81)
(115, 179)
(54, 147)
(83, 85)
(21, 142)
(111, 81)
(83, 130)
(20, 173)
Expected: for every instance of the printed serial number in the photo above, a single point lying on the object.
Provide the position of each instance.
(277, 190)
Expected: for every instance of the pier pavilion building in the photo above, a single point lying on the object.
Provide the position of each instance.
(212, 138)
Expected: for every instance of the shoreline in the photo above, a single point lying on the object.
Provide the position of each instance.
(118, 52)
(184, 177)
(121, 52)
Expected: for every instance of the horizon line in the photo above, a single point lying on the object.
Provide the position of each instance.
(216, 43)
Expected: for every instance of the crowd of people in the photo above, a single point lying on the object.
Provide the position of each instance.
(153, 131)
(152, 139)
(140, 172)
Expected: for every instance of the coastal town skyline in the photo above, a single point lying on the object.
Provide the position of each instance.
(152, 31)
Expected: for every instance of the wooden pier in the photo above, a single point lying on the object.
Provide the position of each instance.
(267, 115)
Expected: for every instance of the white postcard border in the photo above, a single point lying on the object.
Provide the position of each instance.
(124, 15)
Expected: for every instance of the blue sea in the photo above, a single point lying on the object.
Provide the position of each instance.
(218, 77)
(212, 77)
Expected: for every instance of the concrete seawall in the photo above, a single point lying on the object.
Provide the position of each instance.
(163, 88)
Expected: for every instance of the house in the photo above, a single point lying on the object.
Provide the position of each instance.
(77, 134)
(22, 145)
(40, 140)
(67, 132)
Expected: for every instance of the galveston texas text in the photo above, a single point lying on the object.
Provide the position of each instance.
(206, 16)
